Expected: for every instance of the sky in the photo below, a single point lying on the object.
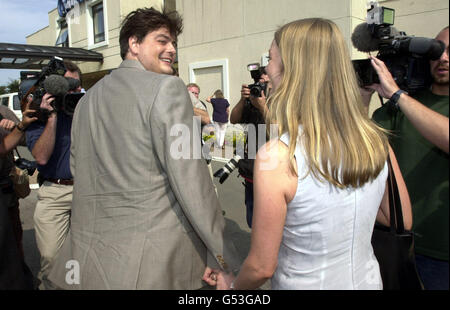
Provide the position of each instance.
(18, 19)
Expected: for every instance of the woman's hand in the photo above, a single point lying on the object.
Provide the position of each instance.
(224, 280)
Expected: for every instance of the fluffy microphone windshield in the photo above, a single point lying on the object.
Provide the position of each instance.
(363, 40)
(56, 85)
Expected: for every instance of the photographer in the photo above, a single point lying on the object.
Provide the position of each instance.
(50, 143)
(13, 272)
(250, 110)
(420, 140)
(200, 108)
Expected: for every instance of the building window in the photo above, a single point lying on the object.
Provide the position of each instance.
(98, 23)
(16, 103)
(63, 37)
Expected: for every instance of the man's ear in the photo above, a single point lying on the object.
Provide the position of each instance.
(133, 45)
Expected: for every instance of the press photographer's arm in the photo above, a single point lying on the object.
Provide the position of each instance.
(43, 149)
(10, 141)
(432, 125)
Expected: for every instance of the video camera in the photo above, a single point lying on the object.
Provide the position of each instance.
(50, 80)
(406, 57)
(256, 71)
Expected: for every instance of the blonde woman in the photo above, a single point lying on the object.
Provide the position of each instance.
(321, 186)
(221, 112)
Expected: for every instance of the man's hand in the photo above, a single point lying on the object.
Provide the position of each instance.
(245, 92)
(46, 102)
(7, 124)
(28, 116)
(210, 276)
(387, 86)
(259, 103)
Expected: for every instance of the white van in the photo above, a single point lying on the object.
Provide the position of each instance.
(12, 101)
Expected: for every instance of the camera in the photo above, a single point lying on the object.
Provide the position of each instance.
(406, 57)
(26, 164)
(256, 71)
(50, 80)
(226, 170)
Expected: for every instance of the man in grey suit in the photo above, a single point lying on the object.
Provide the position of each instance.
(142, 218)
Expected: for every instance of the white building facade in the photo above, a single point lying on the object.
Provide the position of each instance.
(221, 37)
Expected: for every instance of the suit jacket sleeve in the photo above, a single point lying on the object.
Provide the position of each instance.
(189, 177)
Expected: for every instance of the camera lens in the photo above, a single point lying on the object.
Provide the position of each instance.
(256, 91)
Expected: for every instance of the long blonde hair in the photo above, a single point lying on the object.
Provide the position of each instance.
(319, 91)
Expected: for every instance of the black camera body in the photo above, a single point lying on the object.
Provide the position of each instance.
(406, 57)
(257, 88)
(39, 84)
(26, 164)
(256, 71)
(226, 170)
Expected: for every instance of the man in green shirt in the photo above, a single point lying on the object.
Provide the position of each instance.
(420, 140)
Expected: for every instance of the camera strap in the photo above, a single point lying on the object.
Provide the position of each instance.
(17, 151)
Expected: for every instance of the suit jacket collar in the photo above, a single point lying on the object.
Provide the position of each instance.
(131, 63)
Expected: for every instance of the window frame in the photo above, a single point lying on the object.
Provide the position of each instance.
(223, 63)
(95, 14)
(90, 6)
(65, 43)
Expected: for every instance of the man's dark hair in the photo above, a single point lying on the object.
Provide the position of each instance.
(72, 67)
(142, 21)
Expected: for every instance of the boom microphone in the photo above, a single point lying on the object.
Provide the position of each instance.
(56, 85)
(73, 83)
(363, 39)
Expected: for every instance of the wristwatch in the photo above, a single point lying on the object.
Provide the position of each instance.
(393, 101)
(20, 127)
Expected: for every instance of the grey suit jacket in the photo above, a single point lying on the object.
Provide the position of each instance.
(141, 217)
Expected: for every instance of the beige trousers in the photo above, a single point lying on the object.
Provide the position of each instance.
(51, 224)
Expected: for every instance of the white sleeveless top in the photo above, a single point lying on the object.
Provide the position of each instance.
(327, 234)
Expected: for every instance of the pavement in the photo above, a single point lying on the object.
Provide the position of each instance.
(231, 197)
